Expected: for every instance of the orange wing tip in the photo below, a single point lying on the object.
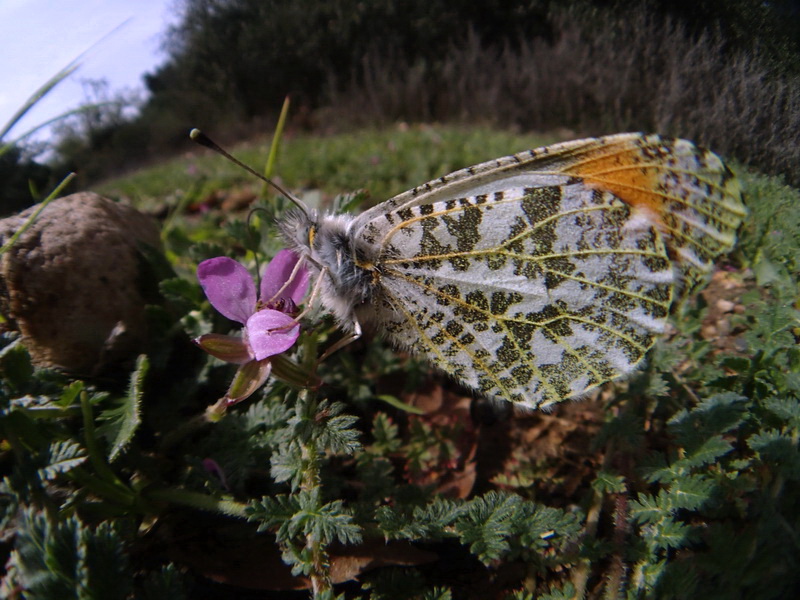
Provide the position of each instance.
(685, 188)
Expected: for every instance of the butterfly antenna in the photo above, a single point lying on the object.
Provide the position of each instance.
(202, 139)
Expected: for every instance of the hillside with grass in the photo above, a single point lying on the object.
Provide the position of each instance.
(723, 73)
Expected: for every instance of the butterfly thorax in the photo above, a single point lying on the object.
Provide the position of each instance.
(326, 243)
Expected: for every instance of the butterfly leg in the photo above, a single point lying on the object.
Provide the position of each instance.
(313, 296)
(345, 341)
(298, 265)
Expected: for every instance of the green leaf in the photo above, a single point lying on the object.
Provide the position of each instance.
(325, 523)
(708, 452)
(37, 95)
(738, 364)
(105, 563)
(47, 557)
(332, 522)
(717, 414)
(62, 458)
(645, 509)
(301, 515)
(522, 595)
(777, 450)
(399, 404)
(787, 409)
(67, 560)
(565, 593)
(488, 524)
(70, 394)
(123, 420)
(56, 193)
(711, 450)
(274, 512)
(608, 483)
(181, 293)
(438, 593)
(771, 327)
(424, 522)
(657, 386)
(337, 432)
(16, 368)
(396, 525)
(671, 534)
(544, 526)
(690, 492)
(272, 157)
(385, 434)
(625, 429)
(287, 464)
(656, 469)
(766, 272)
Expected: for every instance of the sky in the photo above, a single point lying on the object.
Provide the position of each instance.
(40, 37)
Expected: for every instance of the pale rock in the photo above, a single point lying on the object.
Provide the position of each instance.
(71, 283)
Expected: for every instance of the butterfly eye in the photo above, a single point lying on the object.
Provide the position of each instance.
(312, 233)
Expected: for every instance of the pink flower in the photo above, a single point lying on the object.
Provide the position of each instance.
(269, 324)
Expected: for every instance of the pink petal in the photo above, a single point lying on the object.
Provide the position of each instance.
(277, 273)
(271, 332)
(212, 466)
(249, 377)
(225, 347)
(229, 287)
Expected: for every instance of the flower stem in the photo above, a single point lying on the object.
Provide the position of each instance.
(201, 501)
(212, 414)
(311, 481)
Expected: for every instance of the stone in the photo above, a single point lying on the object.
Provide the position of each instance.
(72, 283)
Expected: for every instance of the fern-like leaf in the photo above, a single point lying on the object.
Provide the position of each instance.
(691, 492)
(105, 571)
(62, 457)
(488, 524)
(67, 560)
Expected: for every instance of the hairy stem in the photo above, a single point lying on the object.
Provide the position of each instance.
(320, 574)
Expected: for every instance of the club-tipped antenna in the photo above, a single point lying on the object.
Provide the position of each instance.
(202, 139)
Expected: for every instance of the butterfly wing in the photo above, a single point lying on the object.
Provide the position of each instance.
(687, 191)
(537, 277)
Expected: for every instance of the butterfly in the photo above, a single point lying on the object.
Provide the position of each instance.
(536, 277)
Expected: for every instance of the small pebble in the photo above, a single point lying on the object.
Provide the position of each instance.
(725, 306)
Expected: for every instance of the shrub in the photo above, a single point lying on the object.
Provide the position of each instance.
(636, 73)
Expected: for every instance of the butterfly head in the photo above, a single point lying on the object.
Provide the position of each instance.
(299, 229)
(322, 239)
